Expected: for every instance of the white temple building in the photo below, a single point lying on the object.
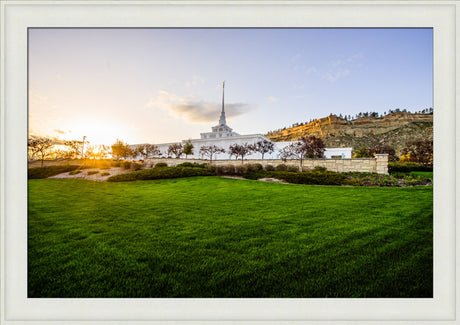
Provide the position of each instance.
(223, 136)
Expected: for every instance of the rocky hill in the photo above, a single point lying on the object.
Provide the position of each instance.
(394, 129)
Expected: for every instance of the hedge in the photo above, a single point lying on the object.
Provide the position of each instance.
(407, 167)
(160, 173)
(189, 164)
(308, 178)
(48, 171)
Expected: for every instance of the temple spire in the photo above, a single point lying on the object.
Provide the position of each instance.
(222, 120)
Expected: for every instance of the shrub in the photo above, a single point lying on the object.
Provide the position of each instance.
(185, 164)
(269, 167)
(161, 165)
(396, 179)
(313, 178)
(241, 169)
(406, 167)
(126, 164)
(105, 174)
(92, 172)
(47, 171)
(281, 167)
(116, 164)
(257, 175)
(291, 168)
(74, 172)
(211, 168)
(136, 166)
(308, 178)
(189, 164)
(228, 169)
(254, 167)
(320, 169)
(160, 173)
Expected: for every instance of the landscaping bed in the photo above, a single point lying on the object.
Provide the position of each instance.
(130, 171)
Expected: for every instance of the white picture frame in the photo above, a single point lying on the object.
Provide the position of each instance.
(17, 16)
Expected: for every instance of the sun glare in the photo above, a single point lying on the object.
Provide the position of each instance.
(97, 132)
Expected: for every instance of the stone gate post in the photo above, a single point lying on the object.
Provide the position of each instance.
(381, 161)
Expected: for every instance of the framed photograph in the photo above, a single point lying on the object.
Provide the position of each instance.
(215, 161)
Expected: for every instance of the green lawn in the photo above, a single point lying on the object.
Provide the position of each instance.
(216, 237)
(424, 174)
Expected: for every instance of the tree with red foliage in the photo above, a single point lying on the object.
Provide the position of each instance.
(384, 149)
(306, 147)
(263, 146)
(240, 150)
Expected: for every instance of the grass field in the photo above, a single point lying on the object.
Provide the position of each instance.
(217, 237)
(424, 174)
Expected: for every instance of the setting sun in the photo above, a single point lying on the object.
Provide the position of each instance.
(96, 131)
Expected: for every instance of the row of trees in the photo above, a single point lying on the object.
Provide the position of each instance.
(239, 150)
(306, 147)
(121, 149)
(42, 148)
(419, 151)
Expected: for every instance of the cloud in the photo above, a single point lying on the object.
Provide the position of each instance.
(196, 80)
(202, 112)
(332, 71)
(59, 131)
(336, 75)
(311, 70)
(342, 67)
(36, 97)
(57, 141)
(197, 111)
(296, 58)
(355, 57)
(271, 99)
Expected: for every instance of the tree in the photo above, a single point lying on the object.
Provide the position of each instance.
(263, 146)
(91, 152)
(188, 148)
(306, 147)
(240, 150)
(210, 151)
(74, 148)
(61, 154)
(420, 150)
(176, 149)
(40, 147)
(147, 150)
(362, 153)
(104, 151)
(120, 150)
(407, 158)
(384, 149)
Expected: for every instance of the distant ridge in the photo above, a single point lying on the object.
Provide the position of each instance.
(393, 129)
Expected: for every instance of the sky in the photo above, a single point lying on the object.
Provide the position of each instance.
(165, 85)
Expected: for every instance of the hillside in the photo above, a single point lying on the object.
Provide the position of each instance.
(393, 129)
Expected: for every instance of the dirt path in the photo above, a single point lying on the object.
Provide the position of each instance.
(95, 177)
(120, 170)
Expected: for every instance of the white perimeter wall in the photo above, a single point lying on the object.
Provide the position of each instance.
(225, 143)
